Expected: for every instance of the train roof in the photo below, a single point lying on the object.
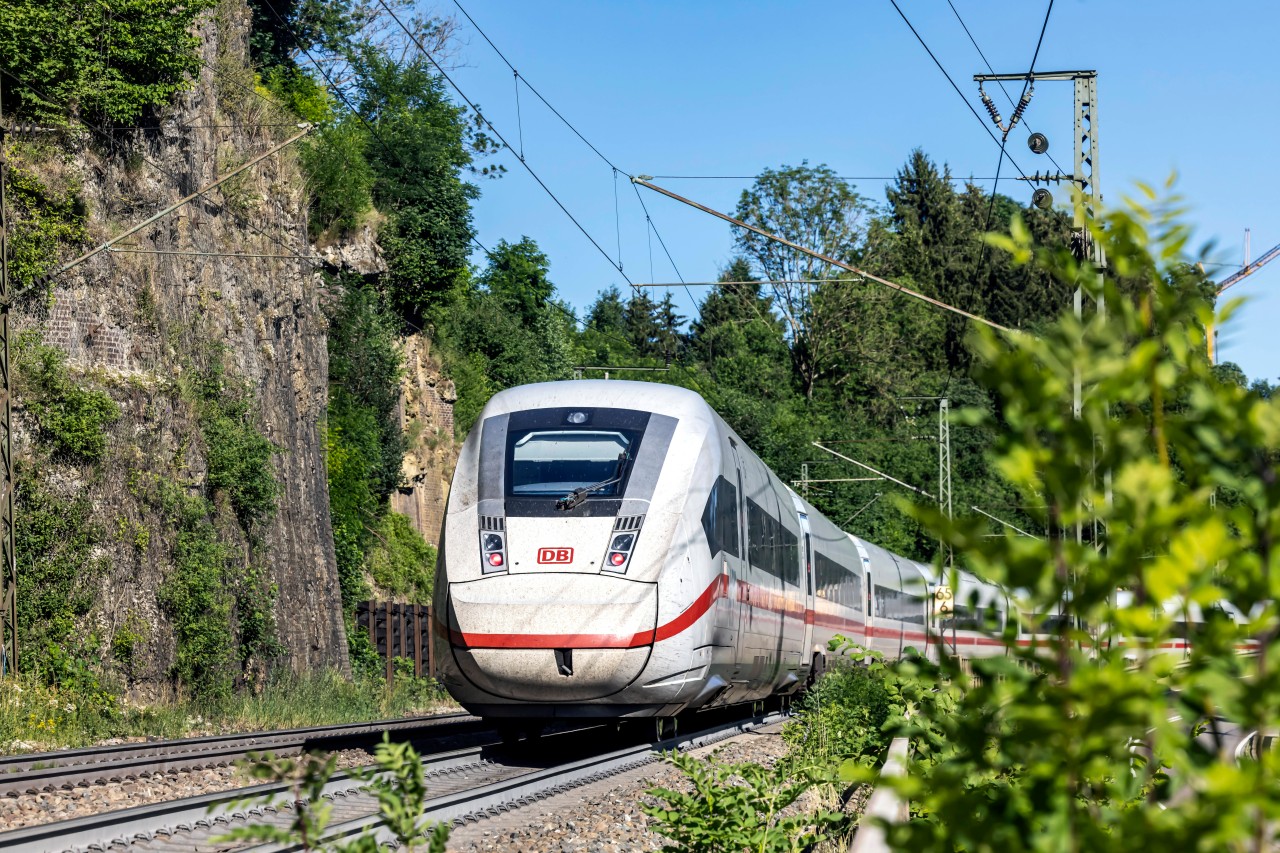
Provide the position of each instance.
(607, 393)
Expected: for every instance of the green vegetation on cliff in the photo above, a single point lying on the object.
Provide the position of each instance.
(105, 61)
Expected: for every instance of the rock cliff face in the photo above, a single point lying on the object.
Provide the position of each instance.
(426, 415)
(216, 285)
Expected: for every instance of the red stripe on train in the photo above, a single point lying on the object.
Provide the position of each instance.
(770, 602)
(718, 588)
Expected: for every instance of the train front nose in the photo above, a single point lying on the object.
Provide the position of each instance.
(551, 637)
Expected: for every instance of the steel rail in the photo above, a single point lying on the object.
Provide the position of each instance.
(53, 770)
(473, 782)
(155, 826)
(510, 793)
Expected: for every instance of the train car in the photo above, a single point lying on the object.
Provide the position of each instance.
(614, 549)
(897, 591)
(837, 574)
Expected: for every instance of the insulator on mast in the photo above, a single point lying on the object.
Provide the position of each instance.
(991, 108)
(1021, 107)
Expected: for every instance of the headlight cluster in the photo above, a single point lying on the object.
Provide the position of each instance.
(493, 552)
(619, 553)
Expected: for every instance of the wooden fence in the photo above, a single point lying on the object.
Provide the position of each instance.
(399, 631)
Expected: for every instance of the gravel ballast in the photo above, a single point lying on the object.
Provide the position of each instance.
(606, 816)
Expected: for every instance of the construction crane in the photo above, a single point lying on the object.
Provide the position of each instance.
(1245, 271)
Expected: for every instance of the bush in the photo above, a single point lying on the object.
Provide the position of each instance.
(58, 571)
(339, 177)
(197, 598)
(399, 783)
(1107, 740)
(71, 418)
(239, 455)
(737, 807)
(402, 563)
(841, 717)
(364, 445)
(45, 220)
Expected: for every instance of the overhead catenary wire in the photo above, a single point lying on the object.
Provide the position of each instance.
(1031, 70)
(991, 205)
(613, 166)
(946, 74)
(531, 88)
(1000, 83)
(337, 90)
(663, 244)
(497, 133)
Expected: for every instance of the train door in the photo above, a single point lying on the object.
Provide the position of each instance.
(740, 589)
(787, 586)
(807, 588)
(868, 610)
(727, 497)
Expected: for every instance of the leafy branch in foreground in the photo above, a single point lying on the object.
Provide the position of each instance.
(736, 807)
(1087, 740)
(396, 778)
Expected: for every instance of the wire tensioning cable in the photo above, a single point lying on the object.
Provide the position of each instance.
(104, 133)
(821, 257)
(753, 177)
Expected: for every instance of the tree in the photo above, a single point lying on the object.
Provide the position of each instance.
(424, 145)
(935, 245)
(1104, 740)
(651, 327)
(109, 61)
(510, 332)
(812, 207)
(739, 338)
(517, 277)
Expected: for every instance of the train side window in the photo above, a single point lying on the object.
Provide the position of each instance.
(789, 556)
(757, 536)
(902, 606)
(720, 518)
(837, 583)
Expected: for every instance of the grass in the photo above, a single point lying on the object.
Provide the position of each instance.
(35, 717)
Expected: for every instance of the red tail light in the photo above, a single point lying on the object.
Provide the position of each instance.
(493, 551)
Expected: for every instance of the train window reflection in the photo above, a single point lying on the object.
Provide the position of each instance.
(556, 461)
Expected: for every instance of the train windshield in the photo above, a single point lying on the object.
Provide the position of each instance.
(557, 461)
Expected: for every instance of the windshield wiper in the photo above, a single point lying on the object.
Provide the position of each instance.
(577, 496)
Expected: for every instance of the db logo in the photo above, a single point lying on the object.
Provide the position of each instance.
(555, 555)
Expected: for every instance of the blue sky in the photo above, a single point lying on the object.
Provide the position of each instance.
(719, 88)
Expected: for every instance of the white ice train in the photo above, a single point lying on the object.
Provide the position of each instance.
(614, 549)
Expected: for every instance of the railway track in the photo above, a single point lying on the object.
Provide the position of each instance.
(49, 771)
(464, 785)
